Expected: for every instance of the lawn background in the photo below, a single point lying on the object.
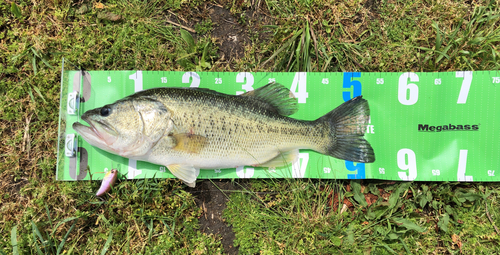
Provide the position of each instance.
(41, 216)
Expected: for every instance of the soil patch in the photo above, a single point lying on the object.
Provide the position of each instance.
(209, 197)
(231, 35)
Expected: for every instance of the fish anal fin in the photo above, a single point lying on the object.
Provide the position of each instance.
(189, 143)
(186, 173)
(282, 159)
(275, 97)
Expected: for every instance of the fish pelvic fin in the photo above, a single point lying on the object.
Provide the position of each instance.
(186, 173)
(283, 159)
(275, 97)
(347, 127)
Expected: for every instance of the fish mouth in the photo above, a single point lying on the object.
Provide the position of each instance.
(98, 134)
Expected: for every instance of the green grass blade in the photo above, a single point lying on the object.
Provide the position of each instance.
(286, 45)
(438, 35)
(151, 227)
(409, 225)
(36, 233)
(13, 240)
(62, 222)
(188, 38)
(108, 242)
(43, 98)
(358, 195)
(61, 245)
(46, 207)
(33, 62)
(15, 10)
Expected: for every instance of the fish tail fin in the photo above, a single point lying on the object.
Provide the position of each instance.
(347, 127)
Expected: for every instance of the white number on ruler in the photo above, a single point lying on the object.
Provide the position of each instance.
(380, 80)
(240, 171)
(496, 79)
(325, 81)
(137, 78)
(132, 164)
(299, 167)
(240, 78)
(491, 172)
(436, 172)
(464, 90)
(218, 80)
(462, 163)
(109, 78)
(164, 79)
(195, 82)
(405, 88)
(300, 81)
(381, 170)
(272, 80)
(411, 166)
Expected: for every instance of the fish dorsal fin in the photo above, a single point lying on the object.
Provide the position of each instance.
(276, 97)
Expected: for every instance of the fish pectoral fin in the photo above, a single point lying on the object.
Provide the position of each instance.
(275, 97)
(186, 173)
(283, 159)
(189, 143)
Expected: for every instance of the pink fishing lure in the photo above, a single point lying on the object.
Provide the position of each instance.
(108, 181)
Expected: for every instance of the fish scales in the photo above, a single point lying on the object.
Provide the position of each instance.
(191, 129)
(235, 127)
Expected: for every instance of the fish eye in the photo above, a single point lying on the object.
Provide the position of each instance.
(105, 111)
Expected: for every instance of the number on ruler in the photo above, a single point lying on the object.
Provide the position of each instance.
(347, 82)
(464, 89)
(192, 77)
(132, 164)
(109, 78)
(163, 79)
(436, 172)
(496, 79)
(359, 168)
(411, 166)
(243, 172)
(137, 78)
(299, 82)
(218, 80)
(408, 92)
(462, 164)
(300, 165)
(242, 77)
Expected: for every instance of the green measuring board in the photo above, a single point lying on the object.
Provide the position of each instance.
(423, 126)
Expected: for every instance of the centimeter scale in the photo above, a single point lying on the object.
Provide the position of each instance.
(423, 126)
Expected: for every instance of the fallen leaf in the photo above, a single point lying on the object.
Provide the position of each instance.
(99, 6)
(109, 16)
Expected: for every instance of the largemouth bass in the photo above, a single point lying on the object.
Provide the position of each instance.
(188, 129)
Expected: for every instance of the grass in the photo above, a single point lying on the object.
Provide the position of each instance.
(40, 215)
